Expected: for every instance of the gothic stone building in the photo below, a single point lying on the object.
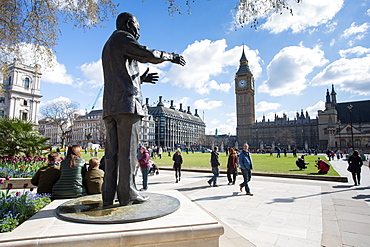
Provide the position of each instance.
(340, 126)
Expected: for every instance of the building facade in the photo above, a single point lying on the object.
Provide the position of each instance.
(339, 126)
(90, 128)
(344, 125)
(176, 127)
(22, 95)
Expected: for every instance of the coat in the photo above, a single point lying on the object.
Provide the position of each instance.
(122, 82)
(232, 162)
(354, 164)
(70, 184)
(214, 159)
(144, 160)
(93, 179)
(45, 178)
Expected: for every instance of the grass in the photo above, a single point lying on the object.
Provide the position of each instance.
(261, 163)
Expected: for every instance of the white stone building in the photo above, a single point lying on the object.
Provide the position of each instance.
(22, 95)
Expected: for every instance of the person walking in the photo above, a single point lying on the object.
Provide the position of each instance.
(232, 166)
(177, 158)
(245, 164)
(354, 166)
(144, 162)
(215, 167)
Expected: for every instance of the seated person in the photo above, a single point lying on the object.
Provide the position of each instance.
(72, 170)
(94, 177)
(47, 176)
(323, 166)
(300, 163)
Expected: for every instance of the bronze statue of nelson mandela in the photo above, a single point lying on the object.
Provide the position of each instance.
(122, 106)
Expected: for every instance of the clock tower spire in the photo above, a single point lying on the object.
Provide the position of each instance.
(244, 90)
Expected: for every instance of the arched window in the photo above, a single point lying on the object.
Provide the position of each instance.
(27, 82)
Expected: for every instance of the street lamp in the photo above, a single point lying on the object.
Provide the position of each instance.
(350, 106)
(340, 141)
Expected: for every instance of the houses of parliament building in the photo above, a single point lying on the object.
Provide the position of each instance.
(339, 126)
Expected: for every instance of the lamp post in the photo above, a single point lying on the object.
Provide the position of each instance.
(350, 106)
(340, 141)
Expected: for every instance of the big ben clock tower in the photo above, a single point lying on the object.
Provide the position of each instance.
(244, 90)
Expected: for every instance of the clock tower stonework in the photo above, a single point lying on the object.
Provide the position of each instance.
(244, 90)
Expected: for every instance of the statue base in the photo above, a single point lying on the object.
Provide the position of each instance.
(89, 209)
(189, 225)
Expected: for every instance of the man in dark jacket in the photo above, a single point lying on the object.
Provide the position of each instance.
(215, 167)
(122, 106)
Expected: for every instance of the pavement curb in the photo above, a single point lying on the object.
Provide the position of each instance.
(280, 175)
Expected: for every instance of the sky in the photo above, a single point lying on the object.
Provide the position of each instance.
(294, 59)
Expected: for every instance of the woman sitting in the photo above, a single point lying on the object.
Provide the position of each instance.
(72, 170)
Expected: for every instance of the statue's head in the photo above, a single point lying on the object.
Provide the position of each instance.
(128, 22)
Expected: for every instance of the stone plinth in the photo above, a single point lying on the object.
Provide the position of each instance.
(188, 226)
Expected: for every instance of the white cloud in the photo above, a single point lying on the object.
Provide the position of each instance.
(206, 59)
(351, 75)
(93, 72)
(57, 74)
(307, 14)
(357, 51)
(214, 121)
(312, 110)
(264, 106)
(356, 30)
(368, 12)
(206, 104)
(52, 71)
(288, 69)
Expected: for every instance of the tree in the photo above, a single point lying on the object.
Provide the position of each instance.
(247, 11)
(18, 136)
(61, 113)
(37, 22)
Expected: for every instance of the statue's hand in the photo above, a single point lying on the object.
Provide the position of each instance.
(149, 77)
(177, 58)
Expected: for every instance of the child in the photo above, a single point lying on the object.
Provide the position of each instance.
(94, 177)
(47, 176)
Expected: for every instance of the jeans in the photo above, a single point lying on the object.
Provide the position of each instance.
(145, 173)
(247, 174)
(216, 173)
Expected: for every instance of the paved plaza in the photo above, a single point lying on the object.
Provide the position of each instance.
(282, 212)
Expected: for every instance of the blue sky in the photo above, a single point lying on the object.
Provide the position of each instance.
(294, 59)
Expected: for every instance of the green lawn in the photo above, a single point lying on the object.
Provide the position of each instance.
(261, 162)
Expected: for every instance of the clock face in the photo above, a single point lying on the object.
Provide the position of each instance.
(242, 83)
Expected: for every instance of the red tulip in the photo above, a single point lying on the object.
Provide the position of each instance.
(25, 185)
(2, 181)
(7, 177)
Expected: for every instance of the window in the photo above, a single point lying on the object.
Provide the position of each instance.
(25, 102)
(27, 82)
(24, 116)
(9, 80)
(2, 113)
(2, 100)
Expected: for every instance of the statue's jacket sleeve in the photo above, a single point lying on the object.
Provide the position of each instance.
(122, 84)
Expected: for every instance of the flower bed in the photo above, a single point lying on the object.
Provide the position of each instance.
(20, 167)
(17, 207)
